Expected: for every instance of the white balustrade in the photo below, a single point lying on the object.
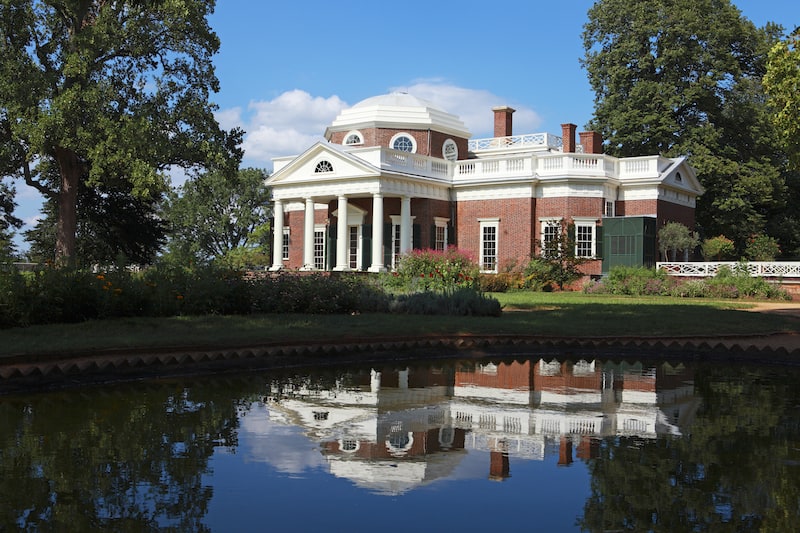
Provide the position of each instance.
(767, 269)
(544, 140)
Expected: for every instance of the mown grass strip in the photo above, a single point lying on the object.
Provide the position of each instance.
(568, 315)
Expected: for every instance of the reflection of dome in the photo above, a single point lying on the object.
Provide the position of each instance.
(390, 478)
(398, 111)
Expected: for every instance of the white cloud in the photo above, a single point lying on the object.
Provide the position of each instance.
(473, 106)
(294, 120)
(285, 125)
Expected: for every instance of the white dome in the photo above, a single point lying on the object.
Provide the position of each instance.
(399, 111)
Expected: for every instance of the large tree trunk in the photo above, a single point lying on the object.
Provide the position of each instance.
(71, 170)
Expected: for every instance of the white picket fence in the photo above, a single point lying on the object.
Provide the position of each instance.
(765, 269)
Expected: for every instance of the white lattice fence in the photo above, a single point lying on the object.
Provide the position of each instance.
(766, 269)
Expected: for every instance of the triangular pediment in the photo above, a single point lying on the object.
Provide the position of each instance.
(680, 175)
(322, 162)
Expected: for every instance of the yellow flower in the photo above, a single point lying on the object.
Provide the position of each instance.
(100, 277)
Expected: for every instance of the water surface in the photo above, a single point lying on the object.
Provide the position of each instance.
(565, 444)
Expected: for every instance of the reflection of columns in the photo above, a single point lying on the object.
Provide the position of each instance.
(499, 465)
(405, 224)
(565, 452)
(402, 379)
(308, 236)
(277, 236)
(377, 233)
(342, 257)
(374, 381)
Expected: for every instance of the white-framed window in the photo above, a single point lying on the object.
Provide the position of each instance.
(585, 236)
(404, 143)
(354, 247)
(319, 247)
(609, 208)
(323, 167)
(353, 137)
(550, 234)
(285, 244)
(395, 244)
(450, 150)
(440, 237)
(489, 237)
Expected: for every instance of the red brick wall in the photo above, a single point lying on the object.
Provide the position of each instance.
(296, 222)
(428, 142)
(515, 238)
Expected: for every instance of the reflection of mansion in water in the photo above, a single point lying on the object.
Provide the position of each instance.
(391, 431)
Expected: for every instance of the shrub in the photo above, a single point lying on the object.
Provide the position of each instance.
(433, 270)
(762, 248)
(461, 302)
(718, 248)
(637, 281)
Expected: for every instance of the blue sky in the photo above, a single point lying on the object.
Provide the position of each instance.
(287, 68)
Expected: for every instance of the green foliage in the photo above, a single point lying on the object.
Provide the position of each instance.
(107, 91)
(781, 83)
(675, 237)
(433, 270)
(221, 216)
(633, 281)
(680, 77)
(460, 302)
(73, 295)
(718, 248)
(762, 248)
(111, 223)
(557, 263)
(728, 283)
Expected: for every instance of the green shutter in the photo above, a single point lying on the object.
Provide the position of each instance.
(366, 248)
(331, 245)
(387, 245)
(598, 242)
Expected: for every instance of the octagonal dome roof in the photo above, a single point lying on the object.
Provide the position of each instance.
(400, 111)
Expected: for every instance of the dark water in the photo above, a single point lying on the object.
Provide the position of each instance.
(524, 444)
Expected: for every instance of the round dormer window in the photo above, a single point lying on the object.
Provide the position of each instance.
(450, 150)
(403, 142)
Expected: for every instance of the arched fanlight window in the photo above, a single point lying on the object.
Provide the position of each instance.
(353, 137)
(323, 166)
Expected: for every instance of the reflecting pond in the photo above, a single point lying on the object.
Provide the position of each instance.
(545, 444)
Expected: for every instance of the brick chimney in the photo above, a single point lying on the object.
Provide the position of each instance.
(568, 138)
(592, 142)
(502, 121)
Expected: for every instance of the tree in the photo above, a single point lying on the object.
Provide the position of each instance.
(112, 226)
(681, 77)
(782, 84)
(103, 89)
(213, 215)
(8, 222)
(557, 261)
(675, 237)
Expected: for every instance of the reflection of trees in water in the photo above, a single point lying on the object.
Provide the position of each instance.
(735, 469)
(129, 459)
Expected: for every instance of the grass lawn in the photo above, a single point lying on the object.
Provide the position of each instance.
(551, 314)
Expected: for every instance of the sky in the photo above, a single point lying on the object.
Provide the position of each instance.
(287, 68)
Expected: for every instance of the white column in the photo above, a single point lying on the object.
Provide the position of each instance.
(277, 236)
(342, 259)
(308, 236)
(405, 225)
(377, 234)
